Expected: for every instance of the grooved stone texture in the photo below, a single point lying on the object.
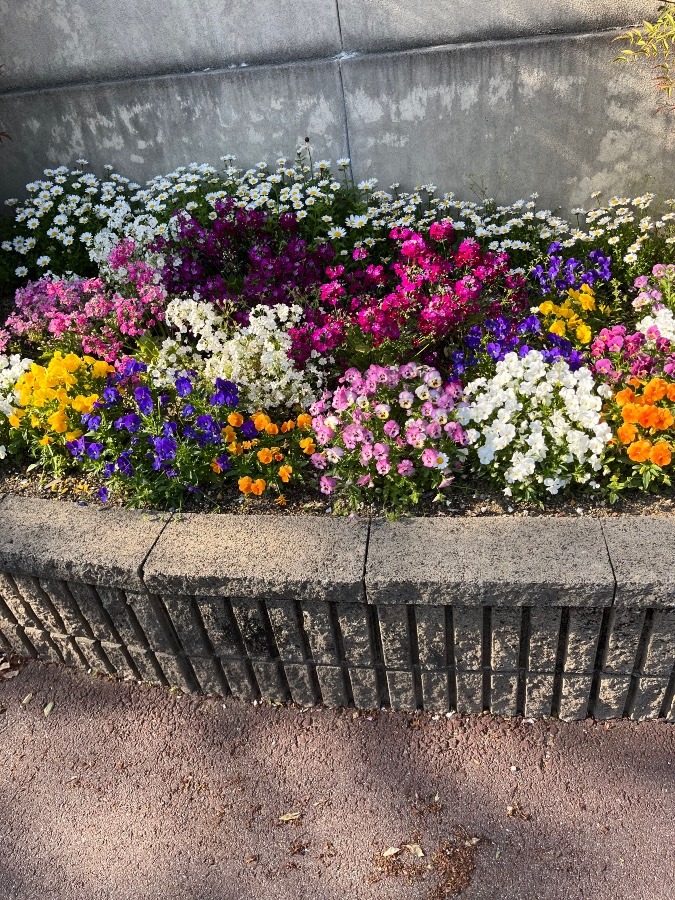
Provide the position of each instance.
(306, 558)
(489, 562)
(63, 540)
(506, 615)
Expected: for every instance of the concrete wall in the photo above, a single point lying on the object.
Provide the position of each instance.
(522, 93)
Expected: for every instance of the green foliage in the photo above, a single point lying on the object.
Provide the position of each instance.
(654, 41)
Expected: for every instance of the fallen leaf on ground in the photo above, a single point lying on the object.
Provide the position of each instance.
(48, 708)
(391, 851)
(26, 700)
(290, 816)
(415, 849)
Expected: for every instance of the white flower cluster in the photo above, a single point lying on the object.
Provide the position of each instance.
(256, 357)
(663, 319)
(537, 424)
(11, 369)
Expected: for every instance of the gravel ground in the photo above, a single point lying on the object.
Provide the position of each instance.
(126, 791)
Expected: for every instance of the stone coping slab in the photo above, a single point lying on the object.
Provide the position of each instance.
(642, 550)
(625, 561)
(55, 539)
(489, 562)
(305, 557)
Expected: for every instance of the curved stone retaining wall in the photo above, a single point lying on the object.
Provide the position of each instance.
(521, 94)
(537, 617)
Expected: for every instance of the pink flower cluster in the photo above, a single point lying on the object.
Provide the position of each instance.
(615, 353)
(388, 430)
(87, 317)
(429, 292)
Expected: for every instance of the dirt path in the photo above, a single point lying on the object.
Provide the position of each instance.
(125, 791)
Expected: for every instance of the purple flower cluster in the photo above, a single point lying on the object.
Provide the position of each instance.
(559, 275)
(241, 257)
(496, 337)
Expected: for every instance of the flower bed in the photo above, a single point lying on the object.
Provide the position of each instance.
(284, 329)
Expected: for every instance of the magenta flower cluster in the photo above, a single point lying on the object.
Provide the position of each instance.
(388, 432)
(429, 294)
(615, 352)
(85, 315)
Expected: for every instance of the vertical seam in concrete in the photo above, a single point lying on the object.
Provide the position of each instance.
(611, 564)
(140, 570)
(342, 89)
(523, 659)
(486, 657)
(560, 660)
(450, 661)
(365, 560)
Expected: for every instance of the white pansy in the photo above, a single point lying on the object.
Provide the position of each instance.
(537, 424)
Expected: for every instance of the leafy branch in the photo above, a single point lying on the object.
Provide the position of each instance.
(654, 41)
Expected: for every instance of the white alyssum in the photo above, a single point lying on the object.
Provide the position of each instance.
(536, 425)
(256, 356)
(11, 369)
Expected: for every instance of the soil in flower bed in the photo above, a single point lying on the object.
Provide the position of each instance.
(470, 501)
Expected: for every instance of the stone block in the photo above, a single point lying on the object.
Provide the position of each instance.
(287, 630)
(295, 557)
(544, 638)
(660, 651)
(62, 540)
(354, 620)
(494, 562)
(209, 676)
(64, 604)
(332, 684)
(612, 696)
(250, 618)
(670, 710)
(365, 688)
(271, 681)
(240, 678)
(504, 693)
(93, 612)
(395, 636)
(122, 616)
(39, 604)
(301, 684)
(582, 640)
(538, 694)
(220, 626)
(576, 693)
(12, 605)
(401, 686)
(188, 625)
(318, 626)
(46, 42)
(119, 659)
(15, 638)
(641, 551)
(468, 633)
(623, 641)
(431, 637)
(154, 620)
(45, 648)
(505, 644)
(649, 698)
(92, 652)
(145, 664)
(435, 692)
(395, 24)
(469, 692)
(176, 671)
